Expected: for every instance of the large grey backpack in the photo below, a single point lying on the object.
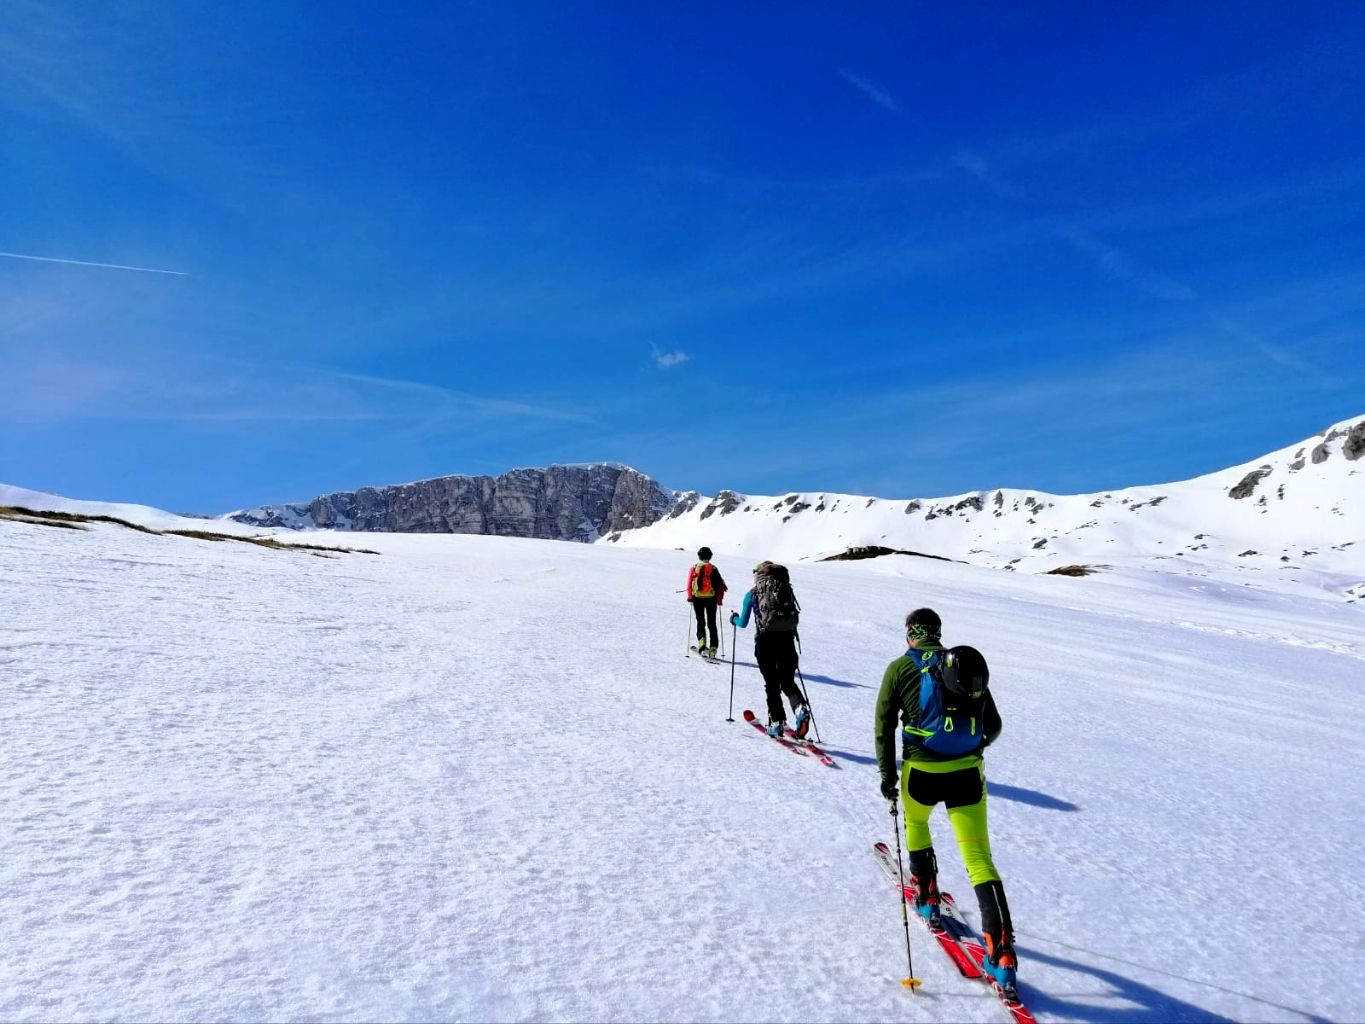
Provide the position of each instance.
(778, 610)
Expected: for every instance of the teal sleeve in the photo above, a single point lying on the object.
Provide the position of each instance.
(743, 622)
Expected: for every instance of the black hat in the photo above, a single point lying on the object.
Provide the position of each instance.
(704, 554)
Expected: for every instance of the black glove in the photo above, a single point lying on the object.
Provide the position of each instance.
(890, 787)
(734, 618)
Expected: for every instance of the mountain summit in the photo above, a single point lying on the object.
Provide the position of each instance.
(578, 502)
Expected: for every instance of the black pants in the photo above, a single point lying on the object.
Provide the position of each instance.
(705, 610)
(776, 657)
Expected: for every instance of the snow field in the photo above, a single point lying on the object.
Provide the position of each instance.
(475, 778)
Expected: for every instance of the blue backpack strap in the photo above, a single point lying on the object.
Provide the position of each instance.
(924, 661)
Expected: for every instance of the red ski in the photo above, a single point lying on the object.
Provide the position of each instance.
(977, 951)
(816, 752)
(964, 963)
(795, 746)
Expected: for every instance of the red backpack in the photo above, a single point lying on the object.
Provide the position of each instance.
(701, 580)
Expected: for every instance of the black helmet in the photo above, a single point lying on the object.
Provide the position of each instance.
(704, 554)
(965, 672)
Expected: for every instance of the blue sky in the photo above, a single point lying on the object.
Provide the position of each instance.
(907, 250)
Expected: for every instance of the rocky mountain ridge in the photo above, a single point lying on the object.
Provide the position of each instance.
(1302, 506)
(577, 503)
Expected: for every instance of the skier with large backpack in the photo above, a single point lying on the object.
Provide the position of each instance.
(941, 700)
(705, 591)
(776, 615)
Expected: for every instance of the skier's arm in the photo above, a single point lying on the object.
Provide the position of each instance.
(743, 621)
(718, 584)
(691, 575)
(887, 719)
(990, 721)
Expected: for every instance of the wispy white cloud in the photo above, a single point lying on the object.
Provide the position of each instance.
(873, 183)
(461, 399)
(1109, 258)
(668, 360)
(1275, 353)
(1077, 400)
(88, 263)
(189, 390)
(1121, 266)
(980, 169)
(873, 92)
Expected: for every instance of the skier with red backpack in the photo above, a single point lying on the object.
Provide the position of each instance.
(776, 614)
(705, 591)
(941, 700)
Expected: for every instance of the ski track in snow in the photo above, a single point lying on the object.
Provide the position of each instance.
(475, 778)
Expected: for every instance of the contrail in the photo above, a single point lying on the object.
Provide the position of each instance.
(86, 263)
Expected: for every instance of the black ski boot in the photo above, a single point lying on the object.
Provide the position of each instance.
(924, 877)
(1000, 964)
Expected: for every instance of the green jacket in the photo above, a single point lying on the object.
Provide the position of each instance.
(898, 702)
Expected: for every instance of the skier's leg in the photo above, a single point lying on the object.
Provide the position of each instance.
(917, 800)
(966, 801)
(711, 623)
(772, 681)
(996, 925)
(922, 790)
(924, 876)
(964, 794)
(700, 613)
(785, 650)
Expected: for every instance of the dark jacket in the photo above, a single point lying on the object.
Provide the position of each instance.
(898, 703)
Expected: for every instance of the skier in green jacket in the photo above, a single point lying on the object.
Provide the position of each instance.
(957, 780)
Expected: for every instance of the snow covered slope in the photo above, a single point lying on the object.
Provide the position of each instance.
(475, 778)
(1303, 506)
(142, 515)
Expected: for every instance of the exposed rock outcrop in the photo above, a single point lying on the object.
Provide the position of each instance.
(685, 503)
(725, 502)
(578, 503)
(1354, 445)
(1246, 487)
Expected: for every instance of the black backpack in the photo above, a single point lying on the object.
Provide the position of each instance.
(778, 610)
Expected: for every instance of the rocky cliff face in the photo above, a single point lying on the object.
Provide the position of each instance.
(558, 503)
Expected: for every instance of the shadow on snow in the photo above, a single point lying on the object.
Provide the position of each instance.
(1144, 1002)
(830, 681)
(809, 677)
(1029, 796)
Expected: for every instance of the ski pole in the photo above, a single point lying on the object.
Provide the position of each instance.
(689, 631)
(813, 723)
(734, 642)
(911, 982)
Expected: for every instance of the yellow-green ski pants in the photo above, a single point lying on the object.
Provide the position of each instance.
(963, 792)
